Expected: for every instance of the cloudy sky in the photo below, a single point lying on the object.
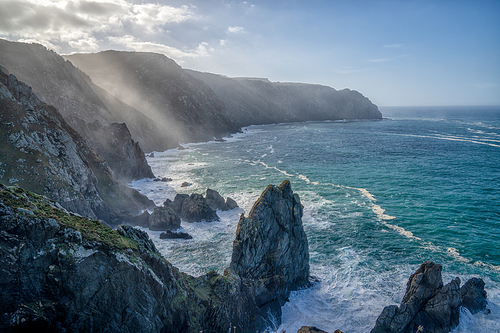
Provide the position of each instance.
(406, 52)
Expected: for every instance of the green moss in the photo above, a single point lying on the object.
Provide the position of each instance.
(92, 230)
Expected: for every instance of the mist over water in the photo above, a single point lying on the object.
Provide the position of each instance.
(380, 198)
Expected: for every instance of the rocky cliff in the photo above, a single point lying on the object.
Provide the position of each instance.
(161, 89)
(215, 104)
(253, 101)
(430, 307)
(87, 108)
(61, 272)
(42, 153)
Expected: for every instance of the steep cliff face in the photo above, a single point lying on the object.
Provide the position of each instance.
(41, 152)
(211, 103)
(86, 107)
(161, 89)
(259, 101)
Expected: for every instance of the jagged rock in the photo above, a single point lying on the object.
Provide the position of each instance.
(426, 305)
(185, 184)
(141, 220)
(216, 201)
(54, 160)
(60, 272)
(164, 218)
(173, 235)
(139, 236)
(270, 256)
(176, 205)
(474, 295)
(152, 155)
(195, 209)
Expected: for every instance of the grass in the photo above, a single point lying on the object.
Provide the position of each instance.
(43, 208)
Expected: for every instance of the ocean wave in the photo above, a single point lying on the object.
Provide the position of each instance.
(451, 138)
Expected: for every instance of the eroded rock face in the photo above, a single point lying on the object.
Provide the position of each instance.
(61, 272)
(42, 153)
(428, 305)
(270, 257)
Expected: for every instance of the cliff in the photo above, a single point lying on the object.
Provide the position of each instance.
(213, 105)
(162, 90)
(61, 272)
(87, 108)
(252, 101)
(42, 153)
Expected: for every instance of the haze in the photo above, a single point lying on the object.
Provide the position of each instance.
(394, 52)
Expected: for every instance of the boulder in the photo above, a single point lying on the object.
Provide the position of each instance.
(426, 304)
(195, 209)
(164, 218)
(174, 235)
(215, 200)
(230, 204)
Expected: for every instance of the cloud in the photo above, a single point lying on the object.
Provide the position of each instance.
(79, 22)
(387, 59)
(393, 46)
(131, 42)
(236, 30)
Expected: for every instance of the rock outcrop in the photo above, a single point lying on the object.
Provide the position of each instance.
(270, 258)
(192, 208)
(312, 329)
(216, 201)
(428, 306)
(164, 218)
(42, 153)
(60, 272)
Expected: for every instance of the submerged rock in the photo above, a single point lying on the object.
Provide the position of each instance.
(312, 329)
(175, 235)
(427, 305)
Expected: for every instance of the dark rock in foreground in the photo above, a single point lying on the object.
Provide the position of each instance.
(61, 272)
(428, 306)
(175, 235)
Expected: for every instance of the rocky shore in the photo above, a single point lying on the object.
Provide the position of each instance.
(61, 272)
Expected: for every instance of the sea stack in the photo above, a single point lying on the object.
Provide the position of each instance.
(270, 257)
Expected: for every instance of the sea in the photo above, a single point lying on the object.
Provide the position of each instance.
(380, 198)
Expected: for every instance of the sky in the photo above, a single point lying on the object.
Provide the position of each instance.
(396, 53)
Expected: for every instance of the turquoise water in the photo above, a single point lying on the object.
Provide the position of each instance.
(380, 198)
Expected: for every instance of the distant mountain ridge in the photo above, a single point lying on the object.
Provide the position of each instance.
(154, 81)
